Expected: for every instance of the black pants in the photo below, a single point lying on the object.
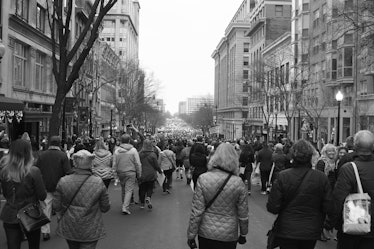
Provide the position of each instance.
(264, 178)
(14, 236)
(168, 179)
(107, 182)
(215, 244)
(145, 189)
(296, 244)
(346, 241)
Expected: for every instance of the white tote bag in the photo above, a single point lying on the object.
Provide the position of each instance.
(356, 211)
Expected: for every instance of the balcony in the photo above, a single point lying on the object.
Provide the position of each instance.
(255, 26)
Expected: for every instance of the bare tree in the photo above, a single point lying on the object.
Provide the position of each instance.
(65, 52)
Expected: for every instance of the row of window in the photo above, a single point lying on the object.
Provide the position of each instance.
(43, 80)
(111, 39)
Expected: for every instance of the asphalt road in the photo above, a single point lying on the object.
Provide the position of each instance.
(164, 227)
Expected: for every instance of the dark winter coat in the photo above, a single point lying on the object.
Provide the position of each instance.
(280, 162)
(246, 159)
(321, 165)
(264, 157)
(304, 217)
(53, 164)
(198, 160)
(346, 184)
(30, 190)
(150, 166)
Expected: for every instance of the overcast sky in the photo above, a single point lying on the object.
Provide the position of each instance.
(177, 39)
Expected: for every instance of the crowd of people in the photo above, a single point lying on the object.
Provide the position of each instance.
(306, 188)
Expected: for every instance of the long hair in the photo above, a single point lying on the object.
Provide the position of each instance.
(226, 158)
(19, 161)
(326, 148)
(100, 145)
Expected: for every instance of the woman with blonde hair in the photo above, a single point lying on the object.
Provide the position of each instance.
(21, 184)
(219, 218)
(326, 162)
(102, 164)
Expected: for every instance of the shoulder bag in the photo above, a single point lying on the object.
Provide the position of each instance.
(272, 238)
(31, 217)
(171, 161)
(356, 210)
(72, 199)
(218, 192)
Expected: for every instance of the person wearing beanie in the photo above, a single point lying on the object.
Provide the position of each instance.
(81, 222)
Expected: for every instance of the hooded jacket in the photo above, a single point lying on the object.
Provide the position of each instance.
(149, 166)
(102, 164)
(126, 159)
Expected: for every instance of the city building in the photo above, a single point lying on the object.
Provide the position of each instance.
(279, 103)
(194, 103)
(182, 107)
(268, 21)
(121, 29)
(231, 58)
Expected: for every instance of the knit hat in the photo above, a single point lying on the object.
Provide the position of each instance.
(83, 159)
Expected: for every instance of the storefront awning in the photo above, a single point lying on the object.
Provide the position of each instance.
(9, 104)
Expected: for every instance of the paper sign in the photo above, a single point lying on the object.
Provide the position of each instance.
(241, 170)
(160, 178)
(192, 186)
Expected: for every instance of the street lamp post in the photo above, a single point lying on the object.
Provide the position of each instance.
(339, 97)
(111, 119)
(90, 96)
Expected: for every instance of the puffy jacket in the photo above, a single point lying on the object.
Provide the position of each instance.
(149, 166)
(102, 164)
(126, 159)
(166, 160)
(30, 190)
(227, 216)
(83, 220)
(346, 184)
(305, 215)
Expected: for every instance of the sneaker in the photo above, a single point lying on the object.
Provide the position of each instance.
(249, 192)
(142, 206)
(167, 191)
(126, 212)
(263, 192)
(148, 202)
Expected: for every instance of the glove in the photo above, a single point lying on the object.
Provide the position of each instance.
(242, 240)
(192, 243)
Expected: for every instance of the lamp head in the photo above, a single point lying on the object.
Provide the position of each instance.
(112, 107)
(339, 96)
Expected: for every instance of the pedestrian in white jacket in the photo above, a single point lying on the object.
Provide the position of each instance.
(126, 163)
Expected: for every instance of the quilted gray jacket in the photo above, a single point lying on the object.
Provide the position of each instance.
(228, 213)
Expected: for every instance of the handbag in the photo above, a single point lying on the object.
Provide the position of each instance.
(356, 210)
(31, 217)
(272, 241)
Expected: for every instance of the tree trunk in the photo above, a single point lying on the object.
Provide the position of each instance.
(55, 121)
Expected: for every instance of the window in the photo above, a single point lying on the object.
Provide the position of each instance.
(316, 18)
(19, 67)
(245, 74)
(40, 18)
(287, 72)
(334, 44)
(245, 101)
(278, 10)
(306, 7)
(112, 38)
(334, 67)
(108, 39)
(348, 62)
(246, 47)
(245, 114)
(120, 39)
(305, 33)
(122, 23)
(348, 39)
(245, 61)
(245, 87)
(39, 71)
(22, 7)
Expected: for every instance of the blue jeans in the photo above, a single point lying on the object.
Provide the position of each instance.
(14, 236)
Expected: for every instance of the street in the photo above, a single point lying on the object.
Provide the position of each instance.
(165, 226)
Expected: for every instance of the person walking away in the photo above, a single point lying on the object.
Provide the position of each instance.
(79, 200)
(225, 222)
(21, 184)
(301, 197)
(53, 164)
(326, 162)
(102, 164)
(185, 154)
(346, 184)
(179, 161)
(148, 159)
(198, 162)
(245, 161)
(167, 163)
(279, 160)
(126, 163)
(264, 157)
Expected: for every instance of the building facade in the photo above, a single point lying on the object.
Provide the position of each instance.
(121, 29)
(195, 103)
(182, 107)
(231, 58)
